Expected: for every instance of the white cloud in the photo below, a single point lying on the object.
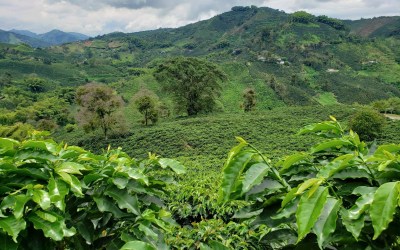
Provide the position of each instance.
(94, 17)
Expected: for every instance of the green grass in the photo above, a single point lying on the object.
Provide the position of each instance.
(327, 98)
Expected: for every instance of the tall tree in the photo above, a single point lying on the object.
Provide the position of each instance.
(100, 106)
(146, 102)
(193, 82)
(249, 99)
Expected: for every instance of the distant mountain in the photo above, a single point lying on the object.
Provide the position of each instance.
(54, 37)
(16, 38)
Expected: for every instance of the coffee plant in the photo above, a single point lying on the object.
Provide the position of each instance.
(55, 196)
(341, 194)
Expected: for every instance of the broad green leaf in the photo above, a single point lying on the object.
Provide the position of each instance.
(309, 210)
(7, 144)
(124, 200)
(175, 165)
(147, 231)
(352, 173)
(308, 183)
(231, 173)
(137, 175)
(73, 182)
(289, 196)
(105, 204)
(41, 145)
(215, 245)
(12, 226)
(326, 223)
(54, 227)
(120, 182)
(335, 166)
(42, 198)
(137, 245)
(330, 127)
(70, 168)
(58, 189)
(19, 207)
(335, 143)
(384, 206)
(353, 226)
(290, 160)
(254, 175)
(362, 203)
(86, 230)
(150, 215)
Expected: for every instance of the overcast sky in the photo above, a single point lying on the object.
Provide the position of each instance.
(94, 17)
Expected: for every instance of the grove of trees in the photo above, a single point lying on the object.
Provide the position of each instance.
(193, 82)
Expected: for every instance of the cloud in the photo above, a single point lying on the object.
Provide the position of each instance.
(95, 17)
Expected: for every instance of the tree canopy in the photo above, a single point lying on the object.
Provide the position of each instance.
(193, 82)
(99, 107)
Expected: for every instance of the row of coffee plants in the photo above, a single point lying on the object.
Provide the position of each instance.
(340, 194)
(55, 196)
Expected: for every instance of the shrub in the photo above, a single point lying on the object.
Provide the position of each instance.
(367, 123)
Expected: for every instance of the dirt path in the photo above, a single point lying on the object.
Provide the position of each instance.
(393, 117)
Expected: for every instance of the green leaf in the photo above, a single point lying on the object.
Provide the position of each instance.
(215, 245)
(53, 226)
(147, 231)
(7, 144)
(384, 206)
(308, 183)
(138, 175)
(254, 175)
(19, 206)
(353, 226)
(309, 210)
(12, 226)
(58, 189)
(231, 172)
(42, 198)
(329, 127)
(73, 182)
(326, 223)
(137, 245)
(290, 160)
(6, 243)
(124, 200)
(120, 182)
(289, 196)
(105, 204)
(362, 203)
(335, 143)
(335, 166)
(70, 168)
(175, 165)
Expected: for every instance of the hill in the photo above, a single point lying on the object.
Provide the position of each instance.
(54, 37)
(376, 27)
(289, 59)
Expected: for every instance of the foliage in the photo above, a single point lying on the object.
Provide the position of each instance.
(36, 84)
(17, 131)
(302, 17)
(99, 107)
(55, 196)
(340, 194)
(146, 102)
(333, 22)
(192, 81)
(367, 123)
(249, 102)
(391, 105)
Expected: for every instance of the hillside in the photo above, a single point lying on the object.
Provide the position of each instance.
(376, 27)
(288, 61)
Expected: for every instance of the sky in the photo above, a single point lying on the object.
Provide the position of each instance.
(97, 17)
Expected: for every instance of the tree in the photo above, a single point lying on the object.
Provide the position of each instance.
(249, 102)
(36, 84)
(146, 102)
(193, 82)
(100, 107)
(302, 17)
(367, 123)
